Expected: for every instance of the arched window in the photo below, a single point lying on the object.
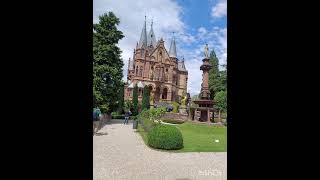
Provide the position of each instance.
(137, 69)
(141, 70)
(164, 93)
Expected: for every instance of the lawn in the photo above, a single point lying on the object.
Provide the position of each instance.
(199, 137)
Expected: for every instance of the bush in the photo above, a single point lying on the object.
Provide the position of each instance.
(165, 137)
(144, 120)
(173, 121)
(175, 107)
(156, 113)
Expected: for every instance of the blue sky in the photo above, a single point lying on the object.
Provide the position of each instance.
(195, 23)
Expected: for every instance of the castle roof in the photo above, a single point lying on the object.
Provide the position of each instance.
(143, 36)
(173, 50)
(140, 84)
(181, 66)
(151, 39)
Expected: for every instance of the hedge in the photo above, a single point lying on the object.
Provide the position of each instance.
(165, 137)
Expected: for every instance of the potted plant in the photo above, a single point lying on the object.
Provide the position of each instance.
(135, 122)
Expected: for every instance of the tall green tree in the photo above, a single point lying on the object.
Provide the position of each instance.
(145, 98)
(135, 100)
(217, 78)
(107, 64)
(121, 99)
(221, 102)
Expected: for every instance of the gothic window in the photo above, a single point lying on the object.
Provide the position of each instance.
(151, 73)
(137, 69)
(164, 93)
(161, 57)
(141, 70)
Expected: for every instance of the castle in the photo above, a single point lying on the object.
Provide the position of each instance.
(154, 66)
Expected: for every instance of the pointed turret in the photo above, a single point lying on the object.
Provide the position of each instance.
(143, 37)
(181, 66)
(173, 50)
(152, 37)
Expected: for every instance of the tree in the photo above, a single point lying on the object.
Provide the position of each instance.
(107, 64)
(217, 78)
(213, 73)
(145, 98)
(221, 102)
(193, 98)
(135, 100)
(121, 99)
(128, 105)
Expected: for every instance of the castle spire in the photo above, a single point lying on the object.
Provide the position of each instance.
(143, 37)
(152, 37)
(173, 50)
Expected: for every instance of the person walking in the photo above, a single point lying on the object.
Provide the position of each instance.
(96, 120)
(126, 117)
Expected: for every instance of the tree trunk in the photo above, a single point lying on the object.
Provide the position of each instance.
(219, 115)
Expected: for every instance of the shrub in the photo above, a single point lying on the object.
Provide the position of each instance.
(156, 113)
(144, 120)
(175, 107)
(165, 137)
(173, 121)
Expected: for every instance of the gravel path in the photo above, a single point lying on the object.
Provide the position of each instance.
(121, 154)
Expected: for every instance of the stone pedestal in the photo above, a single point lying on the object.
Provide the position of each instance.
(183, 110)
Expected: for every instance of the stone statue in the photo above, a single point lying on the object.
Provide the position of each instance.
(206, 51)
(184, 99)
(151, 98)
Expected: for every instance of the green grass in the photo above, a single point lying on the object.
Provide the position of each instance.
(198, 137)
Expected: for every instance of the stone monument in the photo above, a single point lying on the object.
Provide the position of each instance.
(205, 103)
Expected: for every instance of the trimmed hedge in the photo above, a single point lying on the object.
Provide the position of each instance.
(173, 121)
(165, 137)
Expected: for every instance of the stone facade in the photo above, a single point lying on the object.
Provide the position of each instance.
(154, 66)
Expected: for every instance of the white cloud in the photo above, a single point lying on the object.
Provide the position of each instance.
(220, 9)
(165, 14)
(202, 30)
